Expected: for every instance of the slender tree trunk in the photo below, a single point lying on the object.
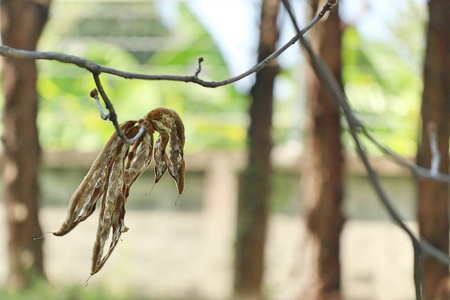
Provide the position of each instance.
(21, 25)
(433, 197)
(255, 181)
(323, 174)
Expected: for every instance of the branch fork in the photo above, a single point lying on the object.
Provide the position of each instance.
(420, 247)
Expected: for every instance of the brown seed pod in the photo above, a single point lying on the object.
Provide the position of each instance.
(83, 201)
(115, 170)
(112, 210)
(167, 121)
(138, 158)
(176, 161)
(160, 156)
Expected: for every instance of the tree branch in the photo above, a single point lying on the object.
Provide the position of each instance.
(327, 78)
(199, 69)
(97, 69)
(94, 94)
(356, 126)
(112, 116)
(400, 160)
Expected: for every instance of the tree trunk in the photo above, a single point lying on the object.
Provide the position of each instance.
(255, 181)
(21, 25)
(433, 196)
(323, 174)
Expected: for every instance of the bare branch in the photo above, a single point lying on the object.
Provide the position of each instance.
(356, 126)
(400, 160)
(199, 69)
(417, 270)
(95, 68)
(327, 78)
(112, 116)
(94, 94)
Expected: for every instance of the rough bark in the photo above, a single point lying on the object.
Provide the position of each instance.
(255, 181)
(433, 206)
(21, 25)
(323, 174)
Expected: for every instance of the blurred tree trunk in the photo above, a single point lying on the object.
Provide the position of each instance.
(433, 196)
(323, 174)
(22, 22)
(255, 181)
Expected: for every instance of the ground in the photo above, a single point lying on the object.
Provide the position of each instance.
(166, 255)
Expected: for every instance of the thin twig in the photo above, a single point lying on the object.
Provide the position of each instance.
(356, 126)
(417, 270)
(199, 69)
(94, 94)
(400, 160)
(98, 69)
(417, 245)
(112, 116)
(339, 95)
(374, 179)
(325, 73)
(327, 7)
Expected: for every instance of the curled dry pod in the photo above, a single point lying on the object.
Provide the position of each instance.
(112, 214)
(112, 210)
(138, 158)
(160, 156)
(115, 170)
(168, 122)
(83, 201)
(176, 161)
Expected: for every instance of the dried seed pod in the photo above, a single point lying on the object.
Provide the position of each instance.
(116, 169)
(160, 156)
(176, 159)
(112, 210)
(138, 159)
(167, 121)
(83, 201)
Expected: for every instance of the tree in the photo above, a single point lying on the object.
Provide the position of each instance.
(324, 173)
(22, 24)
(255, 181)
(433, 196)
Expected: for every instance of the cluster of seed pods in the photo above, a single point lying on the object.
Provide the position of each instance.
(115, 170)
